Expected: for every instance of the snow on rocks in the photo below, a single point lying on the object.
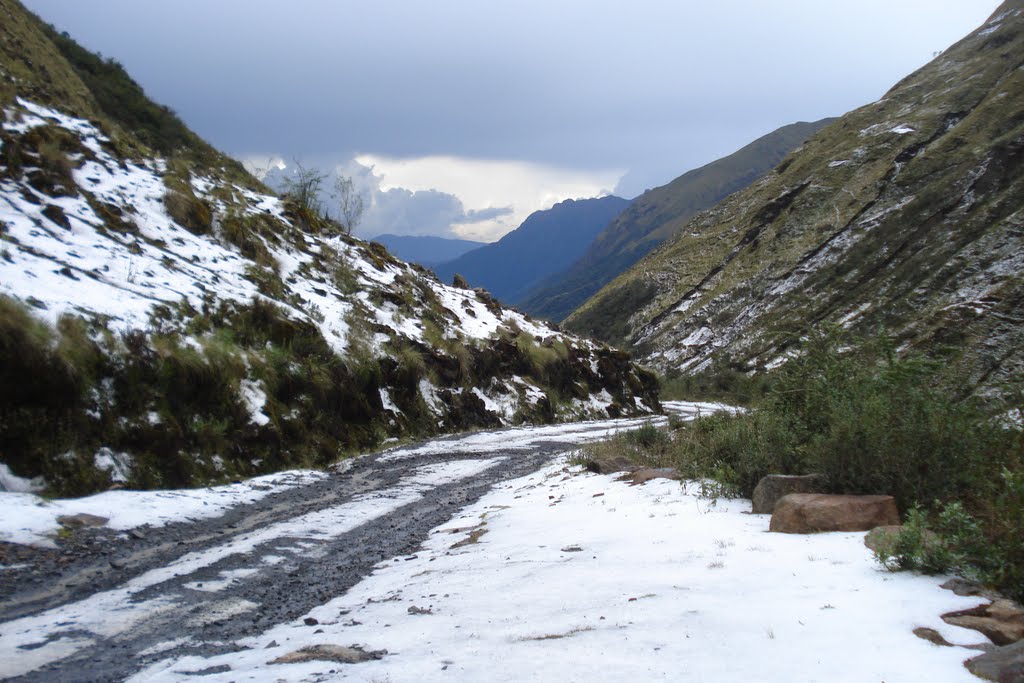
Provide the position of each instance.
(563, 576)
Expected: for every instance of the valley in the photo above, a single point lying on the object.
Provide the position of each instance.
(240, 442)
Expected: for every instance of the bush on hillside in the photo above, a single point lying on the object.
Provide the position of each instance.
(876, 423)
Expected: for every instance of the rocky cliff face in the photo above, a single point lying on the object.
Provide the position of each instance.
(904, 215)
(165, 320)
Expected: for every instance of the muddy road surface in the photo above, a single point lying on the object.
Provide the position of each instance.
(106, 603)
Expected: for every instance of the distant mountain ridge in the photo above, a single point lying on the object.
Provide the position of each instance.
(547, 242)
(426, 250)
(655, 216)
(905, 215)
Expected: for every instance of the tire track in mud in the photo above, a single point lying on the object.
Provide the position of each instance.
(121, 600)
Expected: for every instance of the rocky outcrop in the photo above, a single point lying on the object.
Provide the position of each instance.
(1001, 621)
(1003, 664)
(806, 513)
(774, 486)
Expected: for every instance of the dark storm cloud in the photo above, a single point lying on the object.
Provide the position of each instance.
(653, 86)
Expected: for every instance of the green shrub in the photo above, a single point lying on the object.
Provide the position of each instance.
(876, 423)
(934, 542)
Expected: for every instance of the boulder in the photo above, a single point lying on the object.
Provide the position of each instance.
(1003, 664)
(970, 589)
(805, 513)
(80, 520)
(330, 653)
(775, 486)
(1001, 621)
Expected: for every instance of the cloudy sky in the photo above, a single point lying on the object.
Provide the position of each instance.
(460, 117)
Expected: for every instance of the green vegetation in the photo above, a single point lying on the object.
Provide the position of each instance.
(872, 422)
(724, 384)
(175, 400)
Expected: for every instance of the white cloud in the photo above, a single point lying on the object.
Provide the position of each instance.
(497, 195)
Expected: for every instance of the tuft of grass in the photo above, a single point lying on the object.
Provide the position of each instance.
(188, 211)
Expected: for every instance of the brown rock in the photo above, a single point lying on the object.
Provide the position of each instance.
(80, 520)
(645, 474)
(965, 588)
(932, 636)
(775, 486)
(1003, 664)
(1001, 621)
(805, 513)
(329, 653)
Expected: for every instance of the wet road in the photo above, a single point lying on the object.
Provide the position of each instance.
(123, 600)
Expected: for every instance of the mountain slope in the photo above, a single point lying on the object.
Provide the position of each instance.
(167, 322)
(426, 250)
(905, 214)
(656, 215)
(547, 242)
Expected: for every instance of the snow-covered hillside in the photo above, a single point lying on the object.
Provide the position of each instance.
(211, 329)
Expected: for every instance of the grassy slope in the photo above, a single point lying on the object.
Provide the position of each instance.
(173, 395)
(918, 231)
(656, 215)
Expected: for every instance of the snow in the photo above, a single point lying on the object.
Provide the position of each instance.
(581, 577)
(523, 438)
(386, 402)
(879, 128)
(255, 399)
(115, 611)
(838, 162)
(10, 482)
(87, 269)
(33, 520)
(119, 276)
(429, 393)
(698, 337)
(118, 465)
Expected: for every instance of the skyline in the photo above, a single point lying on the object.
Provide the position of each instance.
(458, 119)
